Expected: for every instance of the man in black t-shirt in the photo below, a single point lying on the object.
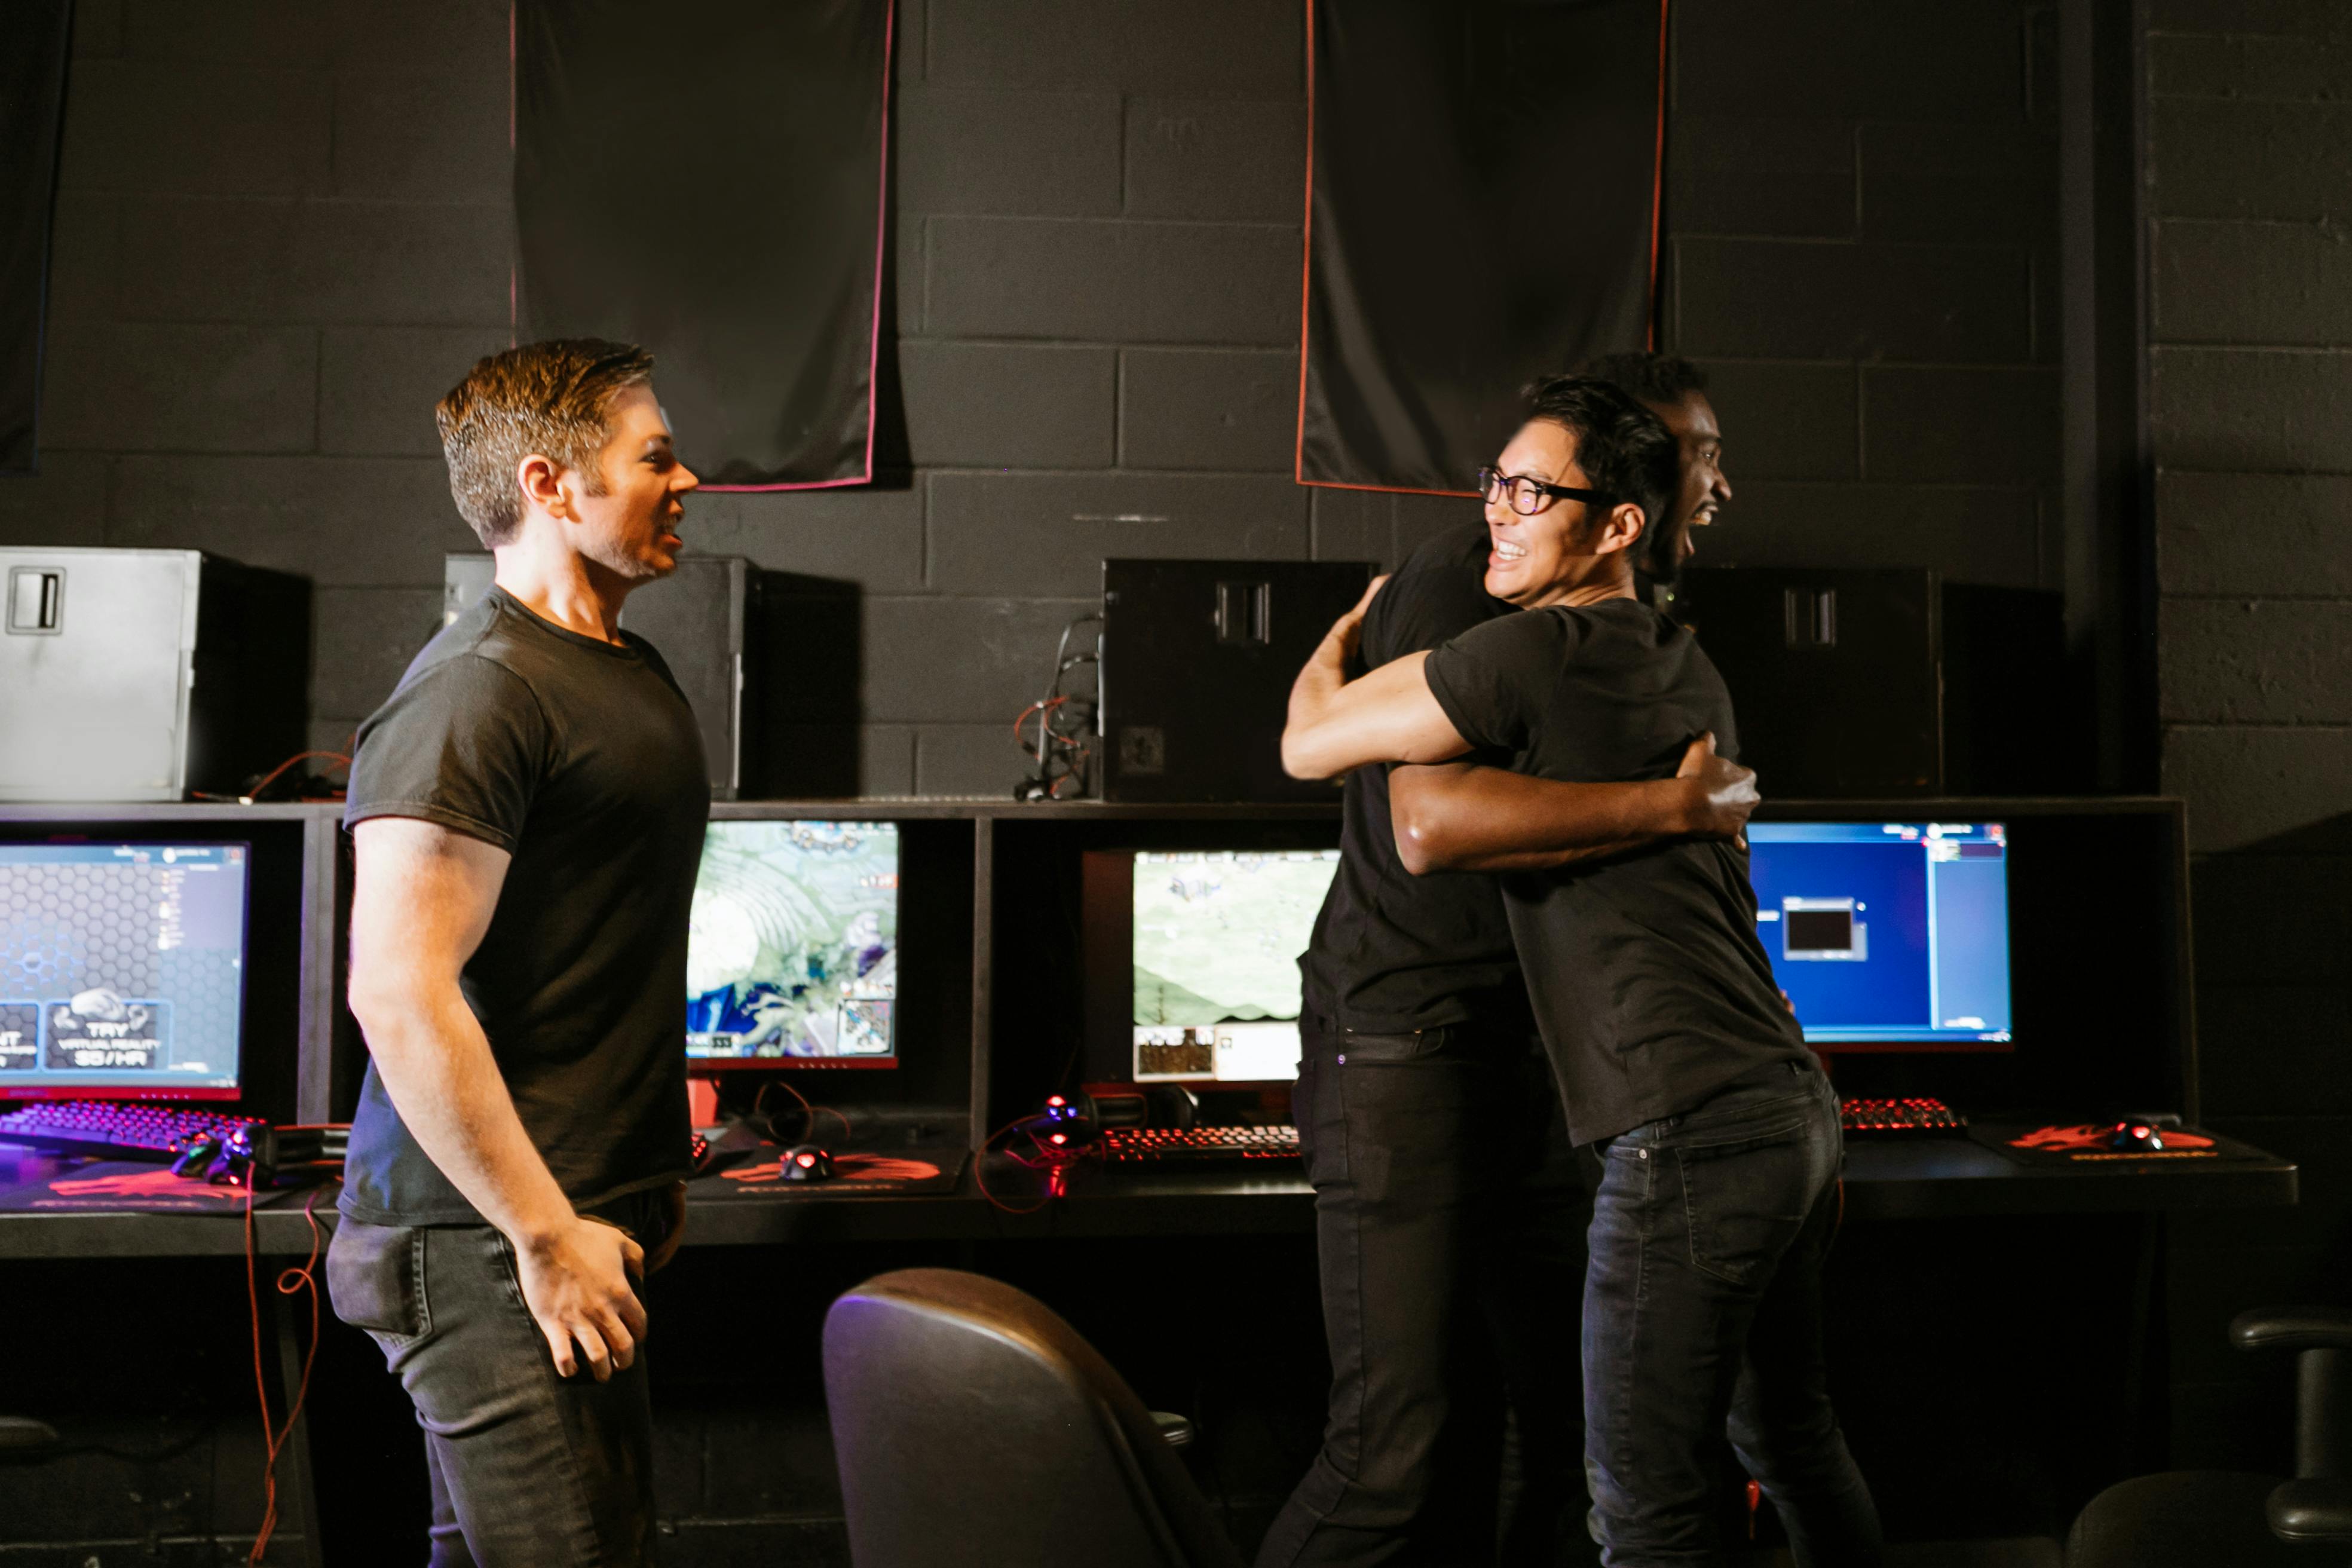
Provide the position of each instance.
(527, 812)
(1449, 1204)
(1674, 1054)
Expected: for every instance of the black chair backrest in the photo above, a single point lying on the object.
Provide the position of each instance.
(973, 1427)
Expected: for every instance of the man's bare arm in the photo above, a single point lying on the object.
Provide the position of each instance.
(421, 900)
(1460, 816)
(1388, 716)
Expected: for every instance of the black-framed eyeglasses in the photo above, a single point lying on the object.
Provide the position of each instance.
(1527, 497)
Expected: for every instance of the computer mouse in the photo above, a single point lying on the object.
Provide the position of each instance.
(196, 1154)
(2135, 1138)
(806, 1163)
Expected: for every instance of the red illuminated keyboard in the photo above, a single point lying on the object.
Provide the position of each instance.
(1196, 1145)
(1899, 1118)
(118, 1132)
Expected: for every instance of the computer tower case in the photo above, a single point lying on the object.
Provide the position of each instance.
(697, 617)
(1852, 682)
(1198, 658)
(140, 675)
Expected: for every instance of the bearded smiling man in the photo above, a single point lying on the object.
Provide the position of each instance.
(528, 813)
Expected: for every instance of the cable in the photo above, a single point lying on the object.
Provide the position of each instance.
(808, 1131)
(1051, 1160)
(1059, 753)
(288, 1282)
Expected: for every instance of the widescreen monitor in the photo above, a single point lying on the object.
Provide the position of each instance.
(122, 970)
(1217, 937)
(1888, 935)
(792, 948)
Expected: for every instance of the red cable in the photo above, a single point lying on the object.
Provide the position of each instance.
(303, 1279)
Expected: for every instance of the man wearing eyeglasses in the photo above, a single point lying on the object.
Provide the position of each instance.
(1449, 1206)
(1676, 1057)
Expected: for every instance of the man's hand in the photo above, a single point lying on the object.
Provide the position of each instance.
(1720, 794)
(576, 1284)
(673, 1214)
(1347, 631)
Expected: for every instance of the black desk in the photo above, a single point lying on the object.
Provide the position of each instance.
(1931, 1178)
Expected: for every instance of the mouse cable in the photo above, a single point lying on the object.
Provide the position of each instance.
(289, 1281)
(809, 1133)
(1052, 1161)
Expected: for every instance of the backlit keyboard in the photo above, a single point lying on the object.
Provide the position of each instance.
(151, 1132)
(1196, 1145)
(1900, 1118)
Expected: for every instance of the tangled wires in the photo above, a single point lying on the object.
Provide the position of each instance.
(1061, 744)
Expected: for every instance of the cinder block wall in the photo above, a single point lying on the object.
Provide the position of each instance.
(282, 232)
(2252, 410)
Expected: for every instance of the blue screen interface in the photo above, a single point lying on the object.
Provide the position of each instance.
(121, 968)
(792, 945)
(1887, 934)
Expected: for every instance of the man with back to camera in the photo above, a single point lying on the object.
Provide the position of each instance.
(1675, 1055)
(1433, 1130)
(527, 811)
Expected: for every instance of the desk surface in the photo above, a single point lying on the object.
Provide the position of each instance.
(1928, 1179)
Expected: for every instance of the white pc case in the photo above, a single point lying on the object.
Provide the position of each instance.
(140, 675)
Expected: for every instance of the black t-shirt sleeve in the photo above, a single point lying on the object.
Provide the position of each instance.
(463, 744)
(1494, 680)
(1417, 610)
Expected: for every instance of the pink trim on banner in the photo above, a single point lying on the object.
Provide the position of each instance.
(881, 233)
(514, 232)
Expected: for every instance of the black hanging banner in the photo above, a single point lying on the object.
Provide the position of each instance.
(32, 106)
(704, 177)
(1482, 207)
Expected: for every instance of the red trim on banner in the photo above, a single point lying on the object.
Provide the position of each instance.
(1305, 260)
(514, 238)
(1307, 263)
(1657, 185)
(874, 338)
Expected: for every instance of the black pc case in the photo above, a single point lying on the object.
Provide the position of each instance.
(1198, 657)
(1852, 682)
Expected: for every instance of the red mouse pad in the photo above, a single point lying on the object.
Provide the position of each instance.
(2091, 1144)
(117, 1186)
(854, 1174)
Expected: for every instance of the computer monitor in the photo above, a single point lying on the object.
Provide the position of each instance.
(122, 969)
(1888, 935)
(792, 946)
(1217, 936)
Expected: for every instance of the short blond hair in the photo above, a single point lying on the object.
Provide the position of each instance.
(549, 398)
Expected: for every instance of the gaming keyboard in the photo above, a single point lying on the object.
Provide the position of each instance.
(1196, 1145)
(151, 1132)
(1899, 1118)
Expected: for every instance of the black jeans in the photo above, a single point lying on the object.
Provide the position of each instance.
(528, 1470)
(1449, 1207)
(1702, 1314)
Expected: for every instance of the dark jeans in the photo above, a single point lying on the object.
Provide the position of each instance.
(528, 1470)
(1703, 1313)
(1449, 1210)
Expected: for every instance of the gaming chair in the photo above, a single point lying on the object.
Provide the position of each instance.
(974, 1428)
(2217, 1517)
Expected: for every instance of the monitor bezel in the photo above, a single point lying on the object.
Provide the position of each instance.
(728, 1067)
(1797, 812)
(275, 975)
(1110, 974)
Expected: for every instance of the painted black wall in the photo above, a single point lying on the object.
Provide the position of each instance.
(2252, 410)
(282, 231)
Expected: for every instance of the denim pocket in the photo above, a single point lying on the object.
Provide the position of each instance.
(1747, 1198)
(375, 1280)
